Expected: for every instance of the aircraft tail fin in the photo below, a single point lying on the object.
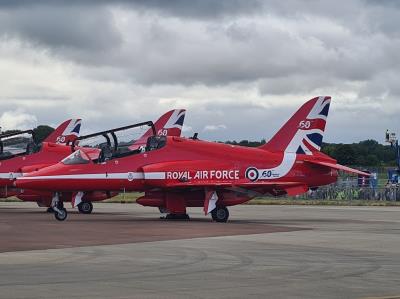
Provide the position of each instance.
(67, 132)
(304, 131)
(171, 123)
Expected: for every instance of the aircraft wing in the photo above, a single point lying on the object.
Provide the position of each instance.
(338, 167)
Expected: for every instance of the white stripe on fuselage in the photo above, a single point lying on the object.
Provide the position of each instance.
(93, 176)
(154, 176)
(10, 175)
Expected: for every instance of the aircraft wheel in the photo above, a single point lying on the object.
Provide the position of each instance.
(220, 214)
(61, 215)
(85, 207)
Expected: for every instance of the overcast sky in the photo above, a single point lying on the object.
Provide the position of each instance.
(240, 68)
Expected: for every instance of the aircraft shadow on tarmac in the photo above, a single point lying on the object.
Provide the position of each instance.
(122, 217)
(32, 229)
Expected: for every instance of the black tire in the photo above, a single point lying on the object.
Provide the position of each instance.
(85, 207)
(62, 215)
(220, 214)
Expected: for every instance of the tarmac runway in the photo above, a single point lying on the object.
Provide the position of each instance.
(124, 251)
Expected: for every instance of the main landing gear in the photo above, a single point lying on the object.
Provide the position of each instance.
(175, 207)
(177, 217)
(85, 207)
(173, 216)
(220, 214)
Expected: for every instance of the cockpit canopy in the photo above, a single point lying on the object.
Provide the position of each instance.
(80, 157)
(17, 144)
(77, 157)
(155, 142)
(121, 142)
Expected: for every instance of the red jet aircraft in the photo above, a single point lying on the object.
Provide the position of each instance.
(20, 153)
(176, 173)
(169, 124)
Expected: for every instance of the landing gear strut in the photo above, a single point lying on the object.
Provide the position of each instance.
(163, 210)
(60, 213)
(85, 207)
(220, 214)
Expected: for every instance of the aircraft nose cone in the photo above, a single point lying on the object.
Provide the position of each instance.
(36, 180)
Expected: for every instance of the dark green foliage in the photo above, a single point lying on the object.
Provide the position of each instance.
(346, 154)
(364, 153)
(247, 143)
(41, 133)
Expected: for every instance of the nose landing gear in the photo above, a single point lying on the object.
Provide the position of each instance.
(60, 213)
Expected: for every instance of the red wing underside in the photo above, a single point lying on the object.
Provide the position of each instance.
(339, 167)
(291, 188)
(221, 184)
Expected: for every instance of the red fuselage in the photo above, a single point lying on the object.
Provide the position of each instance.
(186, 163)
(49, 154)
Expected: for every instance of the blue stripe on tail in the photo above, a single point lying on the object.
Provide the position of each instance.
(180, 120)
(76, 129)
(316, 138)
(300, 151)
(325, 110)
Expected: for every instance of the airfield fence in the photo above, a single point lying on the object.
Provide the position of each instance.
(347, 188)
(390, 192)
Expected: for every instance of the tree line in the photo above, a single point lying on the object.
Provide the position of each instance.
(40, 132)
(364, 153)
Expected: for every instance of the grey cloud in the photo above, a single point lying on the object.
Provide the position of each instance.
(284, 41)
(201, 9)
(181, 8)
(61, 27)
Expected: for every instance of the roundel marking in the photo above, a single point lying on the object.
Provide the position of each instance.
(252, 174)
(130, 176)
